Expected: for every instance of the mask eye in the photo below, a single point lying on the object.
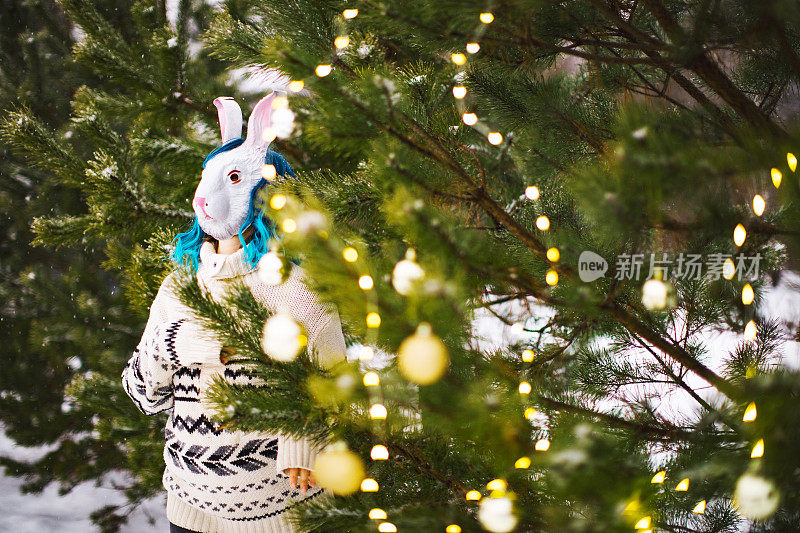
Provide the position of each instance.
(234, 176)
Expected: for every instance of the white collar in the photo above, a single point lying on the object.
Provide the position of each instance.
(223, 265)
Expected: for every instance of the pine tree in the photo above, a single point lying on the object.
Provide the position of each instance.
(455, 161)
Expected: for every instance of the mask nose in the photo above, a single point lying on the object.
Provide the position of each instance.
(201, 204)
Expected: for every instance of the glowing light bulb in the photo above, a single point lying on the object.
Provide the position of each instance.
(750, 413)
(758, 449)
(379, 453)
(387, 527)
(268, 135)
(350, 254)
(365, 282)
(289, 225)
(323, 70)
(369, 485)
(497, 484)
(791, 160)
(458, 58)
(747, 294)
(522, 463)
(643, 523)
(527, 355)
(350, 13)
(470, 119)
(268, 172)
(377, 514)
(280, 102)
(495, 137)
(371, 379)
(373, 320)
(700, 508)
(758, 205)
(343, 41)
(486, 18)
(277, 201)
(728, 269)
(459, 92)
(543, 223)
(529, 413)
(452, 528)
(542, 445)
(524, 388)
(551, 278)
(683, 486)
(739, 235)
(659, 477)
(750, 331)
(532, 192)
(553, 255)
(473, 496)
(473, 48)
(776, 177)
(296, 86)
(377, 411)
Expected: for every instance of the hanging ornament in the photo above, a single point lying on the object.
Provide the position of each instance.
(422, 358)
(339, 469)
(406, 272)
(497, 514)
(756, 497)
(283, 338)
(270, 268)
(655, 294)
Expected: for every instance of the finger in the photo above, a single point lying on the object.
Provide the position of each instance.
(293, 477)
(303, 480)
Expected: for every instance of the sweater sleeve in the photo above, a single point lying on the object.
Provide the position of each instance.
(164, 347)
(327, 345)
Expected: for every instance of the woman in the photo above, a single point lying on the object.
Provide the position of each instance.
(219, 480)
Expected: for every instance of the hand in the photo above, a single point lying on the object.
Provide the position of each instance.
(225, 353)
(300, 477)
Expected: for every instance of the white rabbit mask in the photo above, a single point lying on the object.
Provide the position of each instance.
(222, 199)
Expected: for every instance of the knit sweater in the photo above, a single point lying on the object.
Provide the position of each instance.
(220, 480)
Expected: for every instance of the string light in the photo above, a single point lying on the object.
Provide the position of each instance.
(659, 477)
(459, 92)
(350, 13)
(323, 70)
(277, 201)
(758, 205)
(296, 86)
(791, 160)
(379, 453)
(289, 225)
(473, 496)
(377, 514)
(371, 379)
(553, 255)
(542, 445)
(377, 412)
(473, 48)
(373, 320)
(524, 388)
(532, 192)
(728, 269)
(700, 508)
(750, 413)
(522, 463)
(497, 484)
(739, 235)
(551, 278)
(343, 41)
(643, 523)
(529, 413)
(369, 485)
(543, 223)
(268, 172)
(776, 177)
(750, 331)
(350, 254)
(683, 486)
(527, 355)
(458, 58)
(747, 294)
(365, 282)
(495, 137)
(453, 528)
(486, 18)
(387, 527)
(758, 449)
(470, 119)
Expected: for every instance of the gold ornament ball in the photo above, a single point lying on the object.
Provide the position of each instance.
(422, 357)
(339, 470)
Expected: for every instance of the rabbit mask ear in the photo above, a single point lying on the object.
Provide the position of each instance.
(230, 118)
(259, 130)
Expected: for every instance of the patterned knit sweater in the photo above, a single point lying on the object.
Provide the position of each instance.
(219, 480)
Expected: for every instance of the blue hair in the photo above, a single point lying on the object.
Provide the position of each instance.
(186, 251)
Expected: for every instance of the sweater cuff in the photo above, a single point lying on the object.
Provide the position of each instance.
(295, 453)
(187, 342)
